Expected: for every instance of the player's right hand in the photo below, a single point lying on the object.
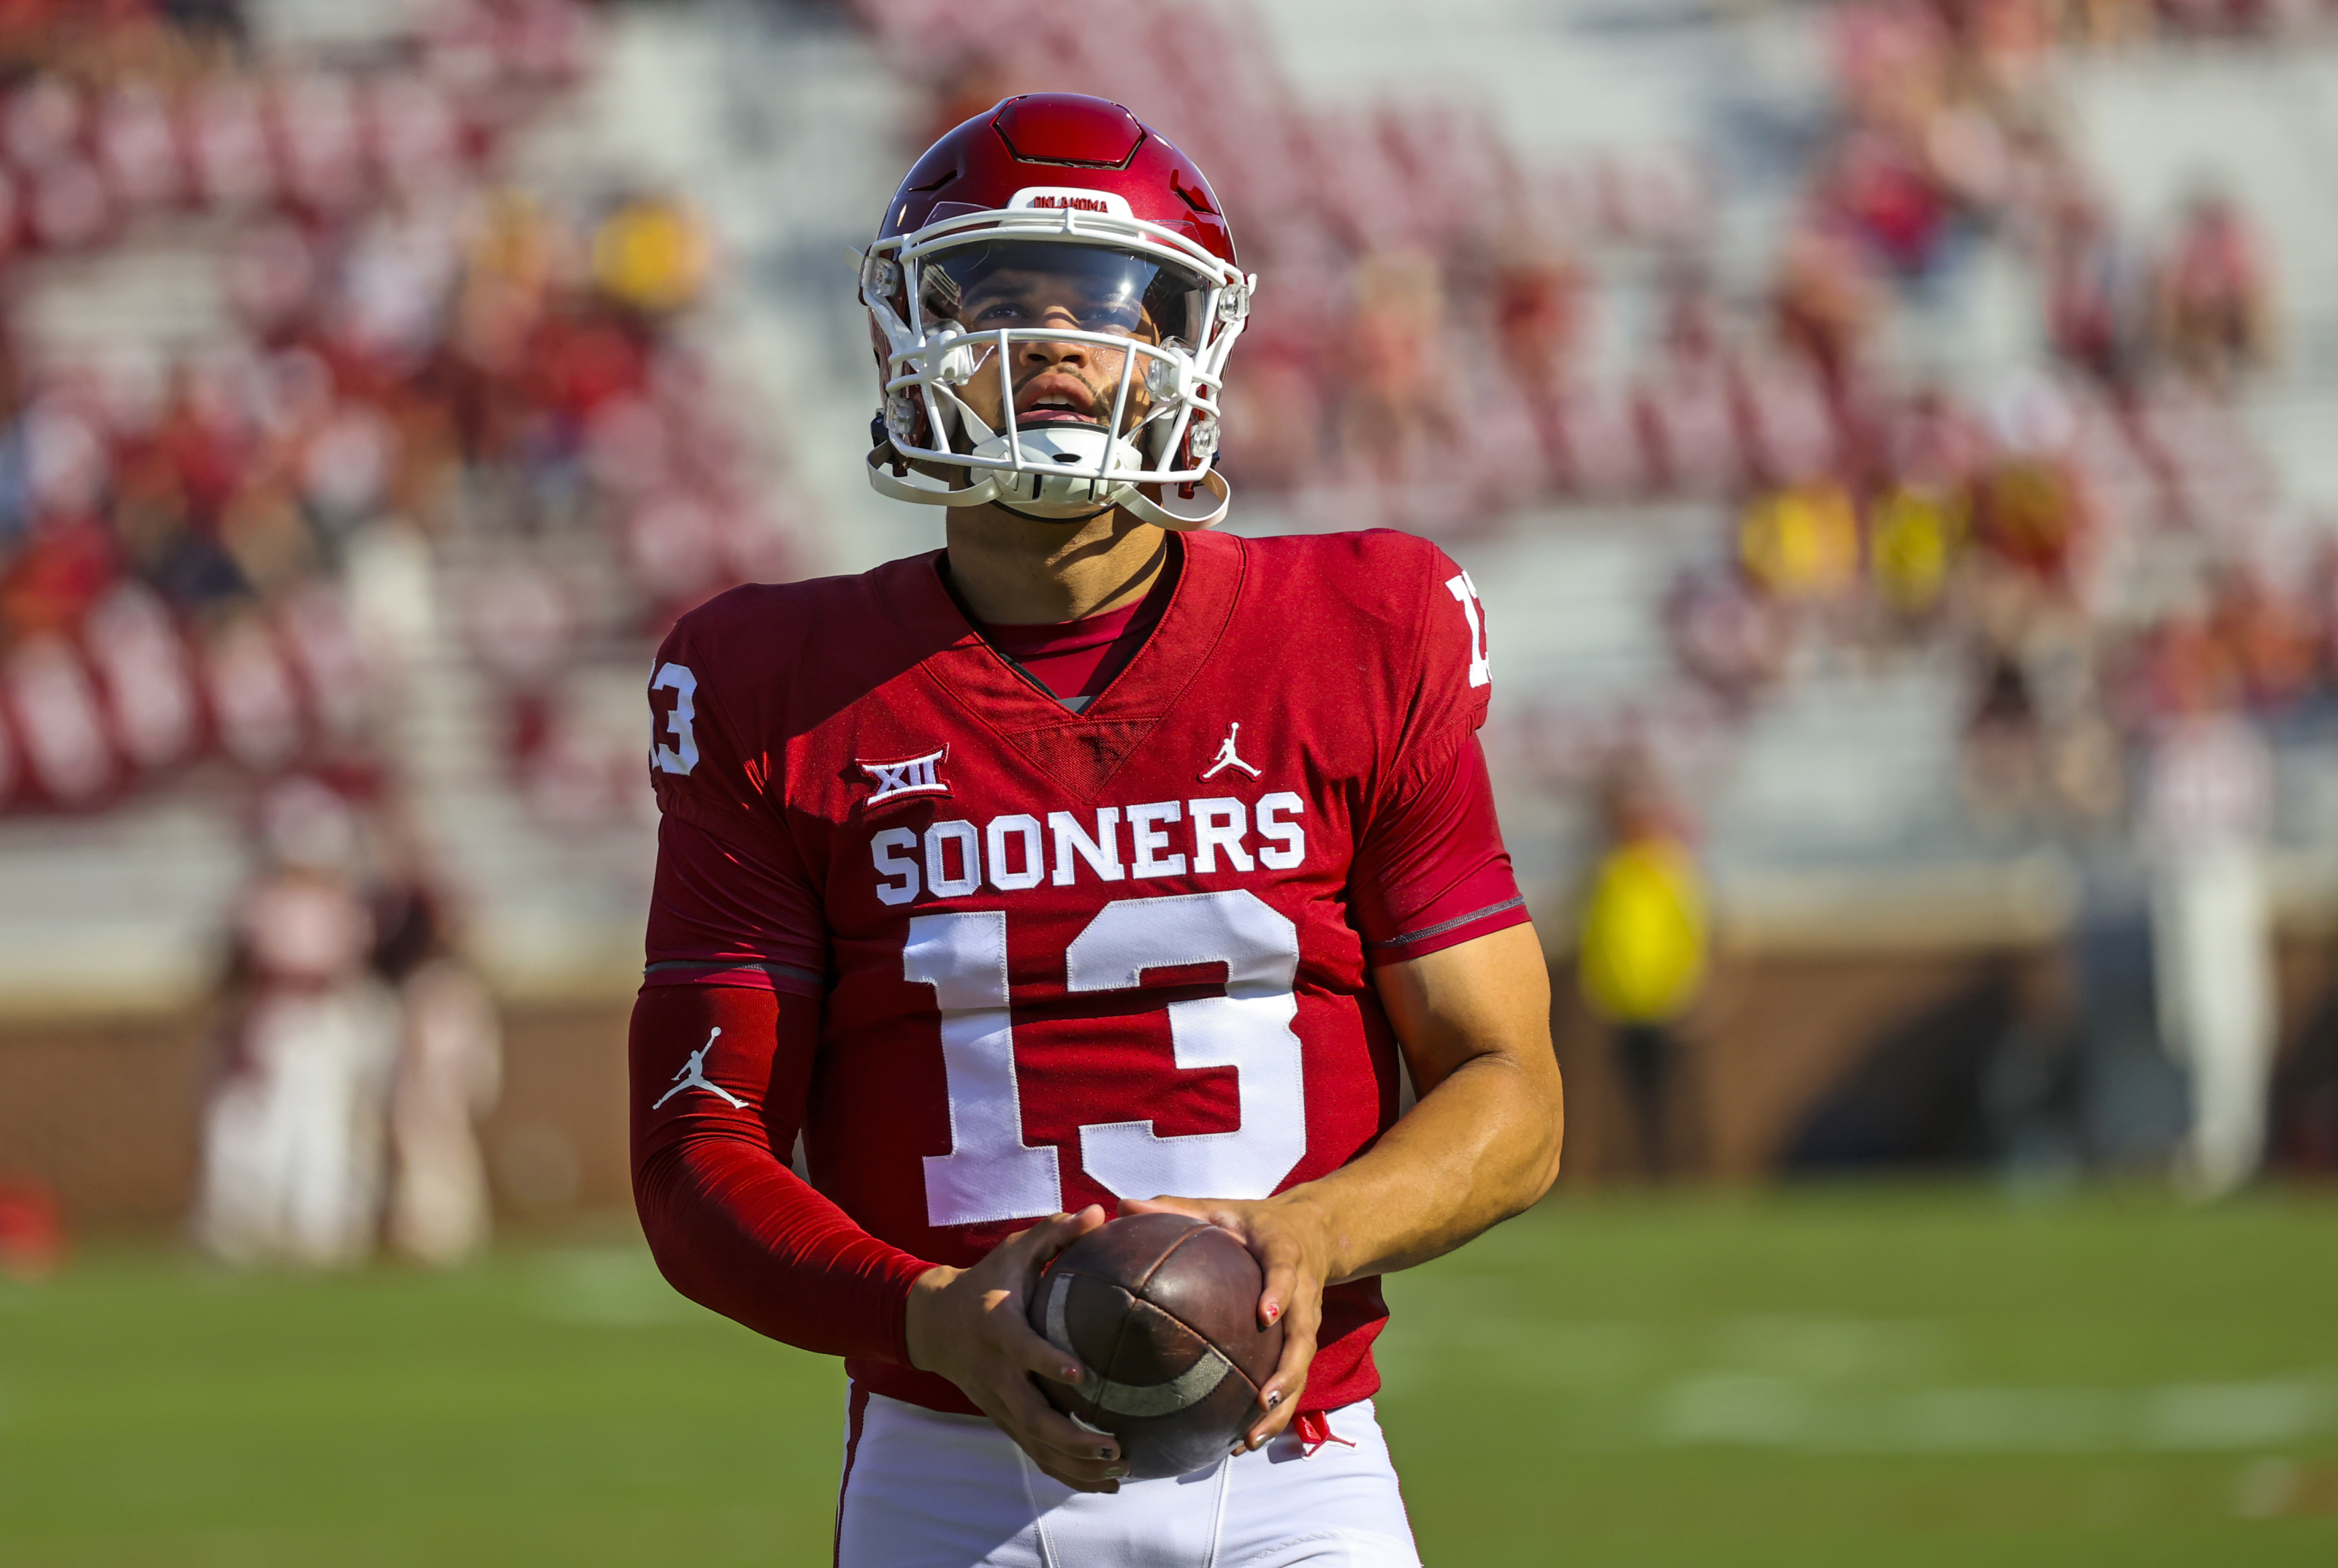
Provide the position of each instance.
(972, 1326)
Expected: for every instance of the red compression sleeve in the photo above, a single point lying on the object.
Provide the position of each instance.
(719, 1078)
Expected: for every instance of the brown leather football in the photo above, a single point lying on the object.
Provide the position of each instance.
(1163, 1312)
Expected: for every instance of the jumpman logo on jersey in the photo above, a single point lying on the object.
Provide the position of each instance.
(1226, 757)
(693, 1076)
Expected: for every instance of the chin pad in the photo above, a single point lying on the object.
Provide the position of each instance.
(1060, 463)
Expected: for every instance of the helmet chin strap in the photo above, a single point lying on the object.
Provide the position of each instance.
(1145, 509)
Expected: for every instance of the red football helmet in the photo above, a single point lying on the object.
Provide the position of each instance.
(1064, 266)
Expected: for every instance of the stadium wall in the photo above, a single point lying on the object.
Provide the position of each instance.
(105, 1109)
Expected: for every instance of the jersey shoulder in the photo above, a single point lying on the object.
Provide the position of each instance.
(822, 639)
(773, 622)
(1392, 612)
(1396, 593)
(1378, 570)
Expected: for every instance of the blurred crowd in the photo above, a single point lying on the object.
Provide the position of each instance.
(2096, 531)
(355, 1050)
(198, 519)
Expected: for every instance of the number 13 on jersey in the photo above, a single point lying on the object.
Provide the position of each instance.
(991, 1174)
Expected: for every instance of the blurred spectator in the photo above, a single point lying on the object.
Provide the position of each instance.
(1829, 304)
(1640, 953)
(292, 1134)
(651, 255)
(1726, 635)
(1399, 405)
(2214, 307)
(1889, 199)
(1930, 441)
(2030, 517)
(1538, 307)
(2095, 315)
(1802, 543)
(2269, 639)
(2207, 798)
(2011, 40)
(2003, 745)
(1915, 537)
(448, 1071)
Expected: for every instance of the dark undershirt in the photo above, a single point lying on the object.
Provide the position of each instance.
(1075, 660)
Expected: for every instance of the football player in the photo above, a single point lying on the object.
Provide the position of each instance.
(1095, 863)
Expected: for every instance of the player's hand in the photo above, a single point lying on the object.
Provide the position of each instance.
(973, 1327)
(1288, 1236)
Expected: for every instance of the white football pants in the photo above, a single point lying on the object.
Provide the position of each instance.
(926, 1490)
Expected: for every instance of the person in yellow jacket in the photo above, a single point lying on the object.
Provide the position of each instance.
(1640, 958)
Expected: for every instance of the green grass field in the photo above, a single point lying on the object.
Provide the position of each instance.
(1856, 1377)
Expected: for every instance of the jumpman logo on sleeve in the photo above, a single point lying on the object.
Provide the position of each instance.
(693, 1076)
(1227, 758)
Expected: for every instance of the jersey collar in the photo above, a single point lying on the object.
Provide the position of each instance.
(1200, 606)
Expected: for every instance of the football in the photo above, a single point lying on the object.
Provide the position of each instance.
(1163, 1312)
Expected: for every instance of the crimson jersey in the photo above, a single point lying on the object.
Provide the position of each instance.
(1069, 958)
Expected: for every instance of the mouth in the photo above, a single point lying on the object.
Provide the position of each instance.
(1055, 400)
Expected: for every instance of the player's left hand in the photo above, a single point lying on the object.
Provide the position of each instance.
(1288, 1236)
